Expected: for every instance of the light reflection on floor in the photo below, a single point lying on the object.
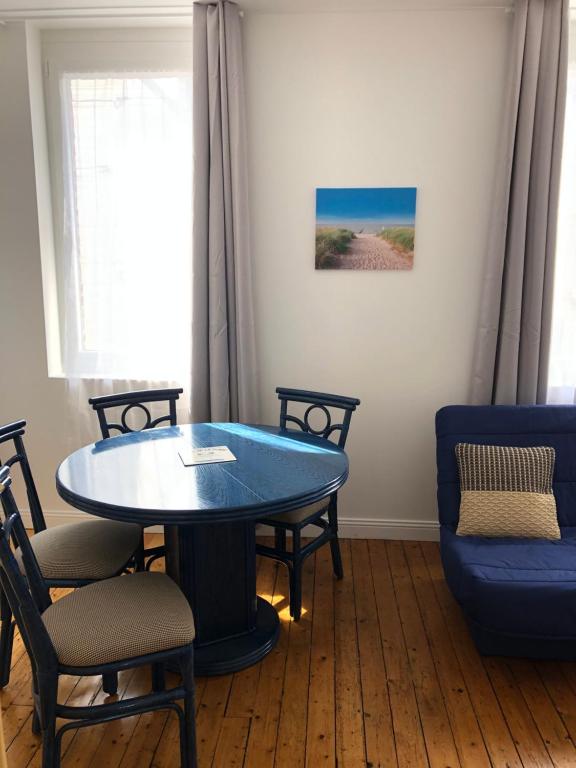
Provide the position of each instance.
(282, 605)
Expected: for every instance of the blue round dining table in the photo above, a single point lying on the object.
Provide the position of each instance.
(209, 513)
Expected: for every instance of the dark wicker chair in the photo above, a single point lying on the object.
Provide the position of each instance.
(122, 404)
(323, 514)
(70, 555)
(69, 637)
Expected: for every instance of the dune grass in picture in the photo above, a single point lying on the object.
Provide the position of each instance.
(365, 228)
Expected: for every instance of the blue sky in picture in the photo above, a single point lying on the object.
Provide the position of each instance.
(367, 209)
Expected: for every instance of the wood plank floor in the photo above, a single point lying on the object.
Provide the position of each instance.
(380, 672)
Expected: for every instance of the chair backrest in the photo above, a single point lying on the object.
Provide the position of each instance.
(28, 597)
(514, 425)
(318, 402)
(12, 435)
(131, 401)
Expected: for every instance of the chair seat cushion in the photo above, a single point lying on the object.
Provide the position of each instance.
(119, 619)
(91, 550)
(524, 587)
(298, 515)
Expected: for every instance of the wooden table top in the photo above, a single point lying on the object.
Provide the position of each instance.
(139, 477)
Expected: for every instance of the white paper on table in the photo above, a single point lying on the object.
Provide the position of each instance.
(217, 453)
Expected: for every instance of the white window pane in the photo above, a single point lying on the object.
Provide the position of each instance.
(562, 372)
(129, 206)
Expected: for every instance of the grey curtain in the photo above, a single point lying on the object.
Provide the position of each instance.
(512, 348)
(223, 348)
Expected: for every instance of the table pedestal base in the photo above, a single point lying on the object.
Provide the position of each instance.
(235, 653)
(215, 567)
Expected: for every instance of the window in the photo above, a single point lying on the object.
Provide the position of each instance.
(562, 373)
(121, 159)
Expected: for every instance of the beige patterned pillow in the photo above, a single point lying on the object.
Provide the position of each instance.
(506, 491)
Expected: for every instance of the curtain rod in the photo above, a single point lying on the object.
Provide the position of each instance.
(507, 7)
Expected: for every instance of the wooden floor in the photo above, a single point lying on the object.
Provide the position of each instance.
(380, 671)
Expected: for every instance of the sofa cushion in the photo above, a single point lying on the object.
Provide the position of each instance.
(506, 491)
(524, 587)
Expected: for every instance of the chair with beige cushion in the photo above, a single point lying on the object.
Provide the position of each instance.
(108, 626)
(70, 555)
(322, 514)
(126, 412)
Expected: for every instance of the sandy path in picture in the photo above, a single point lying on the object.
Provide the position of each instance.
(369, 252)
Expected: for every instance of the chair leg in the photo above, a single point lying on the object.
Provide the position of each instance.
(110, 683)
(280, 539)
(334, 543)
(6, 639)
(48, 689)
(36, 728)
(296, 577)
(158, 681)
(336, 557)
(50, 750)
(139, 555)
(188, 729)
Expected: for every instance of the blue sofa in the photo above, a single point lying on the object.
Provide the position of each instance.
(518, 595)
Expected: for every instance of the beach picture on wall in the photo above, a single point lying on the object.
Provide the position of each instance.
(370, 228)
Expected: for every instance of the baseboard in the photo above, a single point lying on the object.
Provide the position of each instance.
(350, 528)
(372, 528)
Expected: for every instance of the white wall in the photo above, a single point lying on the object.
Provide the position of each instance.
(346, 99)
(410, 98)
(25, 389)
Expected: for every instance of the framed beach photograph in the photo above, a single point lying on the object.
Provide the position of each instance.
(367, 228)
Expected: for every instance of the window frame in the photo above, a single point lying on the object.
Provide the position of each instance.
(135, 51)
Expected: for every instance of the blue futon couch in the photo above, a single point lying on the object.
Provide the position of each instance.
(518, 595)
